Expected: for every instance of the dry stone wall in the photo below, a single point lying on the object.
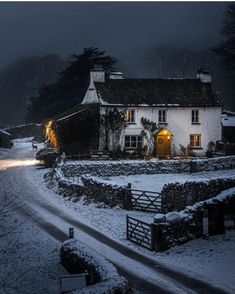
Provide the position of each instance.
(175, 228)
(115, 168)
(176, 196)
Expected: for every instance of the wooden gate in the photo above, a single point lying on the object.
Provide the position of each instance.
(140, 232)
(145, 200)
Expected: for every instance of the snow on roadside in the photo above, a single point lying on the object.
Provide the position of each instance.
(29, 258)
(213, 258)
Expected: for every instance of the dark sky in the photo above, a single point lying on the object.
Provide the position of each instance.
(120, 28)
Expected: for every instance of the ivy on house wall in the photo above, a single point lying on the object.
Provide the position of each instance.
(115, 124)
(149, 130)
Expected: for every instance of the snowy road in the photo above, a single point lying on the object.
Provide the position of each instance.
(145, 274)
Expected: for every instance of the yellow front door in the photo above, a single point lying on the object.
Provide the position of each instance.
(163, 143)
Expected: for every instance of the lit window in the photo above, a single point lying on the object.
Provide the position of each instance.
(133, 142)
(130, 116)
(162, 116)
(195, 116)
(195, 140)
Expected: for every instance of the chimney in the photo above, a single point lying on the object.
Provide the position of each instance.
(98, 74)
(204, 74)
(115, 75)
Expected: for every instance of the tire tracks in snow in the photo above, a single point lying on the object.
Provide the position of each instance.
(167, 280)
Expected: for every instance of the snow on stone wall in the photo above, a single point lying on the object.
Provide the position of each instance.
(176, 196)
(77, 258)
(117, 168)
(120, 168)
(111, 195)
(175, 228)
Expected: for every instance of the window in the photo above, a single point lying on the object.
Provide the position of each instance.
(162, 116)
(195, 116)
(130, 116)
(195, 140)
(133, 142)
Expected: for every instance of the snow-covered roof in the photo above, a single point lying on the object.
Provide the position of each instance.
(4, 132)
(70, 115)
(228, 121)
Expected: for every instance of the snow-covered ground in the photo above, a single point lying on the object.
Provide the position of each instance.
(29, 258)
(157, 181)
(212, 259)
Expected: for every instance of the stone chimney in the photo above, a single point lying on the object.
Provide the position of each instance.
(204, 74)
(98, 74)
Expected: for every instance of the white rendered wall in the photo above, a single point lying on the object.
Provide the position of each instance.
(179, 124)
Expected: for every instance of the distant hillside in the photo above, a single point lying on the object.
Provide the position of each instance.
(21, 80)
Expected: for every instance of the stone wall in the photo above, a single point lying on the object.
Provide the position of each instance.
(120, 168)
(111, 195)
(176, 196)
(217, 163)
(117, 168)
(175, 228)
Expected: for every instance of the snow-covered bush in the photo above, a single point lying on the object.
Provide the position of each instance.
(77, 258)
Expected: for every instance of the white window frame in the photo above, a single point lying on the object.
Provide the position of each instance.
(195, 142)
(195, 117)
(131, 116)
(133, 143)
(162, 116)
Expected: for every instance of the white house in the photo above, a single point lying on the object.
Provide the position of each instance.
(161, 114)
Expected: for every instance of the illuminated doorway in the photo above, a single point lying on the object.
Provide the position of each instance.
(163, 143)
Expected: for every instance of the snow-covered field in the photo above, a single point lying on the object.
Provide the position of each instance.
(157, 181)
(211, 259)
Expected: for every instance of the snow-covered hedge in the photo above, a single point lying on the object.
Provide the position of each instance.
(77, 257)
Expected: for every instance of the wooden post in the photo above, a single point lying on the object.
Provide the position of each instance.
(71, 233)
(128, 196)
(153, 237)
(205, 223)
(127, 226)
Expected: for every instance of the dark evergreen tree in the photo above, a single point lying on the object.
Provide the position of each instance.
(227, 47)
(71, 86)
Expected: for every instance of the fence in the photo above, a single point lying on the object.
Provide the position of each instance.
(147, 201)
(140, 232)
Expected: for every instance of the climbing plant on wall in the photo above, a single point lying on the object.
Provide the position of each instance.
(115, 123)
(150, 129)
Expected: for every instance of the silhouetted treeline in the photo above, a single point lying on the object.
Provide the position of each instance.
(21, 80)
(71, 86)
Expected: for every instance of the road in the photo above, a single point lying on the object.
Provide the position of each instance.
(144, 273)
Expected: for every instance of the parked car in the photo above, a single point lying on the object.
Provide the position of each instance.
(48, 156)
